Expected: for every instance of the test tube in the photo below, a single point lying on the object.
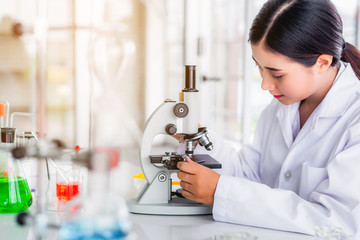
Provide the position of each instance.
(4, 113)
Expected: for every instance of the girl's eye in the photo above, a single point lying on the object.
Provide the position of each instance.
(278, 77)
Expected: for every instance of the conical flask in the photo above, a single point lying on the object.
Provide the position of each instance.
(15, 195)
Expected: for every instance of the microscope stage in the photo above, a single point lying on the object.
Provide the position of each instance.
(206, 161)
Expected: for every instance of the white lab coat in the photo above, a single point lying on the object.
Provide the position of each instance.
(294, 183)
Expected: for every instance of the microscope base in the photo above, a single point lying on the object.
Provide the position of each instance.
(171, 208)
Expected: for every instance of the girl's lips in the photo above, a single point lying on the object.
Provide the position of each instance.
(278, 96)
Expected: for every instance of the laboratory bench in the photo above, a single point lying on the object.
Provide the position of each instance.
(202, 227)
(156, 227)
(148, 227)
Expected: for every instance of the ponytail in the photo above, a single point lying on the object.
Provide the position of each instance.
(351, 55)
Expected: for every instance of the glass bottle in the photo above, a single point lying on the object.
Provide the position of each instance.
(15, 195)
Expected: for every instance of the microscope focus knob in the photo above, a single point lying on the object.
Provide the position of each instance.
(170, 129)
(181, 110)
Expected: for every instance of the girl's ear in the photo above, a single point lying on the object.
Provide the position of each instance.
(323, 62)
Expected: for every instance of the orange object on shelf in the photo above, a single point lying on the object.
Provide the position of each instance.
(2, 110)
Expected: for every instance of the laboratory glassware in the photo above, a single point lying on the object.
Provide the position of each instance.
(4, 113)
(68, 181)
(15, 195)
(26, 138)
(98, 214)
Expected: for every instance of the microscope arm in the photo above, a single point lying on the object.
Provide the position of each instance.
(155, 125)
(158, 187)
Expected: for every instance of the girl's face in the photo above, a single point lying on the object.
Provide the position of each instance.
(286, 80)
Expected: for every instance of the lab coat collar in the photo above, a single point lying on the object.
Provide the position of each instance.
(334, 104)
(286, 115)
(339, 97)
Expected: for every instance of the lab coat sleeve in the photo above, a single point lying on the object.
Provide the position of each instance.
(335, 201)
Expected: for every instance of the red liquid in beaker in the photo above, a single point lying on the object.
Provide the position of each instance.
(67, 191)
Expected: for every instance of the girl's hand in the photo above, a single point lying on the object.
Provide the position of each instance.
(198, 182)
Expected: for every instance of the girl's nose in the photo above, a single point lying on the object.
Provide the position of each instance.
(267, 83)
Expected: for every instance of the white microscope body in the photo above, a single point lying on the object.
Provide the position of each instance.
(171, 118)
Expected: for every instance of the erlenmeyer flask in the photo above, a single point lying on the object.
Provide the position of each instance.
(15, 195)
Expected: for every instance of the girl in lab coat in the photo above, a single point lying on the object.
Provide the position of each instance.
(302, 169)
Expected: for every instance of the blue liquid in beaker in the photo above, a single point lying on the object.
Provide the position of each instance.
(93, 229)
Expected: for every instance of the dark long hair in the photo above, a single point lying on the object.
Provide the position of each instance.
(303, 30)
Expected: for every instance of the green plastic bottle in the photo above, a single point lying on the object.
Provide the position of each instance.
(15, 195)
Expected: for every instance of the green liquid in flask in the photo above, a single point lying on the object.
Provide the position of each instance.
(15, 195)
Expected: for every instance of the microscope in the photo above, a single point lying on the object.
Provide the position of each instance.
(171, 118)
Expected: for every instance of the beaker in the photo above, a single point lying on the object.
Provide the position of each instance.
(26, 139)
(15, 195)
(68, 181)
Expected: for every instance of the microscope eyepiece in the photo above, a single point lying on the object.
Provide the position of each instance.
(190, 79)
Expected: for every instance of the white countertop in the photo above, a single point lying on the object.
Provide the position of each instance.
(155, 227)
(202, 227)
